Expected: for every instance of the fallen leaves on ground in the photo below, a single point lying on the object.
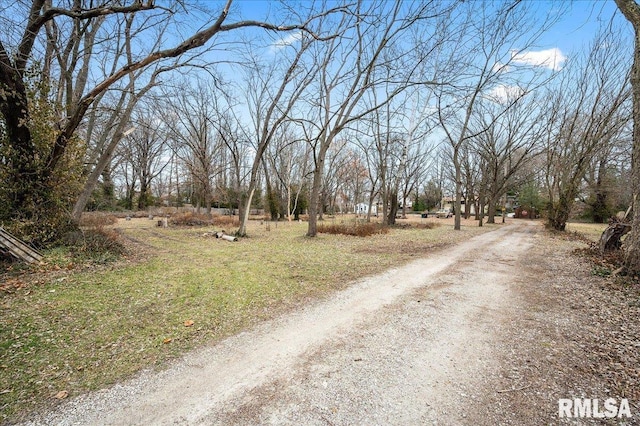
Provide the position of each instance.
(62, 394)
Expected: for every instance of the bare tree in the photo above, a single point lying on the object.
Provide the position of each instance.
(368, 147)
(485, 58)
(145, 148)
(391, 158)
(28, 173)
(189, 123)
(587, 112)
(631, 11)
(272, 91)
(234, 152)
(505, 141)
(289, 159)
(368, 56)
(354, 176)
(606, 179)
(103, 140)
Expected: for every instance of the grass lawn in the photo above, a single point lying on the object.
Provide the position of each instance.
(66, 329)
(592, 231)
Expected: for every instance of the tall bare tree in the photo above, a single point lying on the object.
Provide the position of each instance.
(289, 159)
(631, 11)
(188, 118)
(587, 111)
(370, 55)
(505, 142)
(30, 166)
(485, 58)
(106, 124)
(272, 90)
(145, 148)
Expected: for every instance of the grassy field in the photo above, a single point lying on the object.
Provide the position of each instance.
(592, 231)
(67, 328)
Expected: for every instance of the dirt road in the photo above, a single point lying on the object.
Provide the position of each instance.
(427, 343)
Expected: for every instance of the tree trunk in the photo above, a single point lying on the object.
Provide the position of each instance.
(315, 202)
(393, 208)
(480, 212)
(244, 219)
(24, 188)
(272, 199)
(144, 193)
(631, 11)
(246, 209)
(559, 212)
(458, 201)
(207, 199)
(491, 210)
(372, 195)
(599, 207)
(108, 188)
(404, 207)
(467, 206)
(632, 241)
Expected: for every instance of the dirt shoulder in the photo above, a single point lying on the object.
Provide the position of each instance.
(576, 334)
(491, 331)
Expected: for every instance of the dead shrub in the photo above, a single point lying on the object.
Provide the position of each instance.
(103, 241)
(96, 244)
(191, 219)
(354, 229)
(226, 221)
(97, 220)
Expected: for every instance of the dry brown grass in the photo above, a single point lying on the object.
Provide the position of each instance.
(353, 228)
(226, 221)
(591, 231)
(196, 219)
(190, 219)
(97, 219)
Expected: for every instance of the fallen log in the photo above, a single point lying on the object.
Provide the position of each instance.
(229, 238)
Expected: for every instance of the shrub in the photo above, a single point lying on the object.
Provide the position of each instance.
(44, 231)
(95, 244)
(355, 229)
(102, 240)
(97, 220)
(190, 219)
(226, 221)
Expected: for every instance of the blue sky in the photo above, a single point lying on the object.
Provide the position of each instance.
(575, 28)
(580, 23)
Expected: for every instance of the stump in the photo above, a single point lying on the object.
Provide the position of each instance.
(610, 238)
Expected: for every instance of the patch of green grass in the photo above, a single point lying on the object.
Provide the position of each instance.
(83, 330)
(601, 271)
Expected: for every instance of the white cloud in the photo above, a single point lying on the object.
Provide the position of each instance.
(549, 58)
(504, 93)
(286, 41)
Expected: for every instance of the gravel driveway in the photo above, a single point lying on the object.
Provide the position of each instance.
(427, 343)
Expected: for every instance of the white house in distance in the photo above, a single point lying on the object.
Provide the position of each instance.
(363, 209)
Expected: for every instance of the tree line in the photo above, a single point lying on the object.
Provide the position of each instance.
(314, 110)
